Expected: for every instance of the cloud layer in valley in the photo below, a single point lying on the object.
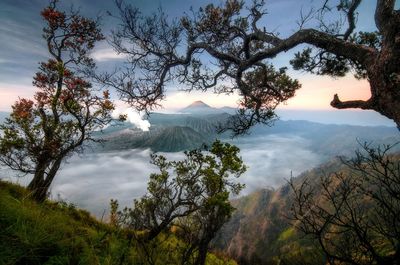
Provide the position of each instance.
(272, 159)
(91, 180)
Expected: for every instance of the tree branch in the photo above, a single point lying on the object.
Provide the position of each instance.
(351, 18)
(355, 52)
(384, 13)
(359, 104)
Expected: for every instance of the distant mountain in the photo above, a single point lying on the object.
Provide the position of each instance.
(228, 110)
(161, 119)
(198, 104)
(205, 122)
(353, 117)
(331, 139)
(200, 125)
(168, 133)
(176, 138)
(200, 108)
(327, 140)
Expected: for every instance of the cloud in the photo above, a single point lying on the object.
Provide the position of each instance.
(272, 159)
(107, 54)
(90, 180)
(131, 116)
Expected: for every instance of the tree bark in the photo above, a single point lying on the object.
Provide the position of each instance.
(40, 184)
(383, 68)
(37, 183)
(202, 254)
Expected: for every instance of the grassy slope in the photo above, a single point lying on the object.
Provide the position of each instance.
(55, 233)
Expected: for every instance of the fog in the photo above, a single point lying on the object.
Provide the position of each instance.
(90, 180)
(272, 159)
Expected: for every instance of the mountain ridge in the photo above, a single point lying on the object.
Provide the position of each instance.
(198, 103)
(325, 139)
(200, 108)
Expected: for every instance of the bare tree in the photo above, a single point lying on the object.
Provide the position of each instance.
(354, 214)
(237, 48)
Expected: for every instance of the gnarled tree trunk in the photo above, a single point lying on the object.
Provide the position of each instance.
(384, 79)
(40, 184)
(202, 254)
(383, 67)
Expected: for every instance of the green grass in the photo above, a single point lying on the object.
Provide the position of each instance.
(57, 233)
(287, 234)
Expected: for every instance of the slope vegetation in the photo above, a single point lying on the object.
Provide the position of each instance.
(260, 231)
(57, 233)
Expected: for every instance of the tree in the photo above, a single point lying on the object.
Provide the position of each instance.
(191, 194)
(354, 214)
(237, 48)
(214, 209)
(200, 228)
(41, 133)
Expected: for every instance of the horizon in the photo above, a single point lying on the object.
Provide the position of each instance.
(353, 117)
(334, 116)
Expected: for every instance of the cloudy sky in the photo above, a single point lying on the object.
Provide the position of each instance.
(22, 47)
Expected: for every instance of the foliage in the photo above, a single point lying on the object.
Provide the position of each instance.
(51, 233)
(262, 230)
(41, 133)
(354, 214)
(227, 48)
(59, 233)
(191, 196)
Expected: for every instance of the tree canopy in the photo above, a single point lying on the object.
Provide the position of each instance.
(41, 133)
(238, 49)
(191, 194)
(354, 214)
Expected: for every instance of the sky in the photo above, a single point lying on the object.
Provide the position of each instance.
(22, 48)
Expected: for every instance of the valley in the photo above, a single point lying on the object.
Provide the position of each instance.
(259, 230)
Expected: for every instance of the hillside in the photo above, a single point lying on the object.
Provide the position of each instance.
(57, 233)
(158, 139)
(260, 233)
(176, 138)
